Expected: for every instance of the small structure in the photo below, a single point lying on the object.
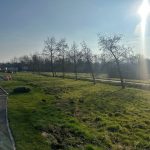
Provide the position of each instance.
(11, 69)
(7, 77)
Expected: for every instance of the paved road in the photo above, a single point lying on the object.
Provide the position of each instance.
(135, 84)
(128, 83)
(5, 137)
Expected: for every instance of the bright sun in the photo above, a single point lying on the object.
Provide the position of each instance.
(144, 10)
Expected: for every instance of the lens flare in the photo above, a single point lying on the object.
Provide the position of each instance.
(144, 12)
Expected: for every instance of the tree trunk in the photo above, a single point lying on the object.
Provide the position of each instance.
(39, 68)
(52, 67)
(76, 75)
(119, 71)
(92, 72)
(120, 75)
(75, 70)
(63, 67)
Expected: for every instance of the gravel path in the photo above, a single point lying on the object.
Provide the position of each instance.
(6, 140)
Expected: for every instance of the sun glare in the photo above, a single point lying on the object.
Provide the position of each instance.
(144, 12)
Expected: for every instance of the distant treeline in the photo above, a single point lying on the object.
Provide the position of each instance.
(60, 57)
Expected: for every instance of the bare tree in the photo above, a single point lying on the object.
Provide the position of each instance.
(75, 54)
(35, 62)
(87, 53)
(62, 48)
(112, 49)
(50, 50)
(25, 63)
(24, 60)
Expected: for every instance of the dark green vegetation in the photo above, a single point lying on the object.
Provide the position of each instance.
(66, 114)
(20, 90)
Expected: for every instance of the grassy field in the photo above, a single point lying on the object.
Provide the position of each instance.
(77, 115)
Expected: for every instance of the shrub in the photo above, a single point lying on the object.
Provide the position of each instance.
(21, 90)
(89, 147)
(113, 128)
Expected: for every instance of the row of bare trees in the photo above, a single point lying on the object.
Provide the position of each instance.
(58, 56)
(110, 48)
(60, 51)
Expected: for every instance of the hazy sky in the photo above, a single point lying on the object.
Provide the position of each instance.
(25, 24)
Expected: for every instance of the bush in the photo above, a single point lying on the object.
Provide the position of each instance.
(89, 147)
(21, 90)
(113, 128)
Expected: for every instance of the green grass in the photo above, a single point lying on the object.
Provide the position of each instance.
(71, 115)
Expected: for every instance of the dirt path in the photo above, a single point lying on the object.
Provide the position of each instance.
(128, 83)
(6, 140)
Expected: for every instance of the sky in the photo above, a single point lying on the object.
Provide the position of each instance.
(25, 24)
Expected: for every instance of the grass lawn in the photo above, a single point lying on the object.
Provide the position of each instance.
(77, 115)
